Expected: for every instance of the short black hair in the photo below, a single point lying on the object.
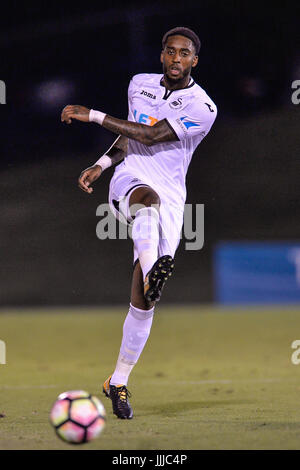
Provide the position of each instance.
(183, 31)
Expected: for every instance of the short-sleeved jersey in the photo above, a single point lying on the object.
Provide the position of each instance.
(188, 111)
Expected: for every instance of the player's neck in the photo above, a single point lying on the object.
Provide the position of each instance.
(178, 85)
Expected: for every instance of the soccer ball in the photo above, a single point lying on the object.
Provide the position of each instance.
(77, 416)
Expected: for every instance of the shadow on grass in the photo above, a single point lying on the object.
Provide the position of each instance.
(170, 409)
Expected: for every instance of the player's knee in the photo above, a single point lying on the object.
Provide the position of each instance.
(147, 199)
(150, 198)
(143, 197)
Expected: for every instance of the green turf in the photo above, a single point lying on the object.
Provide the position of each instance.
(207, 379)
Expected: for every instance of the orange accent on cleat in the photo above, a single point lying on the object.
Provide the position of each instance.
(156, 278)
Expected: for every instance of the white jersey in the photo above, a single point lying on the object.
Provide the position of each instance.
(188, 111)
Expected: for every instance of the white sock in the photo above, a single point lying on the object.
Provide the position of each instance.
(145, 236)
(136, 330)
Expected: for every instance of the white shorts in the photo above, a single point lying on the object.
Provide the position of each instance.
(121, 186)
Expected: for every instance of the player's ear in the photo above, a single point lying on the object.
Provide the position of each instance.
(195, 61)
(162, 56)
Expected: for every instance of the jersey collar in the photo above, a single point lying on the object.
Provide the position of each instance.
(190, 84)
(169, 92)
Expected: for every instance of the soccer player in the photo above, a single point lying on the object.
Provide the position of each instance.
(169, 115)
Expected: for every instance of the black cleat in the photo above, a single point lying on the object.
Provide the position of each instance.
(119, 396)
(157, 277)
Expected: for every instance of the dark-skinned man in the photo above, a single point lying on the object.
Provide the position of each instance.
(169, 115)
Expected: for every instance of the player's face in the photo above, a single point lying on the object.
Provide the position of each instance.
(178, 58)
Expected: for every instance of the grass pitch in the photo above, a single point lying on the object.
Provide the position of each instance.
(208, 378)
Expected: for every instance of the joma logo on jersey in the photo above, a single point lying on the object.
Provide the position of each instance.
(209, 107)
(149, 95)
(144, 118)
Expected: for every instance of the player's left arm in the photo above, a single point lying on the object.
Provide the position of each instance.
(147, 135)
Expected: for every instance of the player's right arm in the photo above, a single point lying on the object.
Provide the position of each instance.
(147, 135)
(115, 154)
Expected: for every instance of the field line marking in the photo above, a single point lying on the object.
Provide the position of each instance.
(179, 382)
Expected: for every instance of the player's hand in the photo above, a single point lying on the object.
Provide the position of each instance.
(75, 111)
(88, 176)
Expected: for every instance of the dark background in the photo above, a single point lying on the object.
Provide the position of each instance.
(246, 171)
